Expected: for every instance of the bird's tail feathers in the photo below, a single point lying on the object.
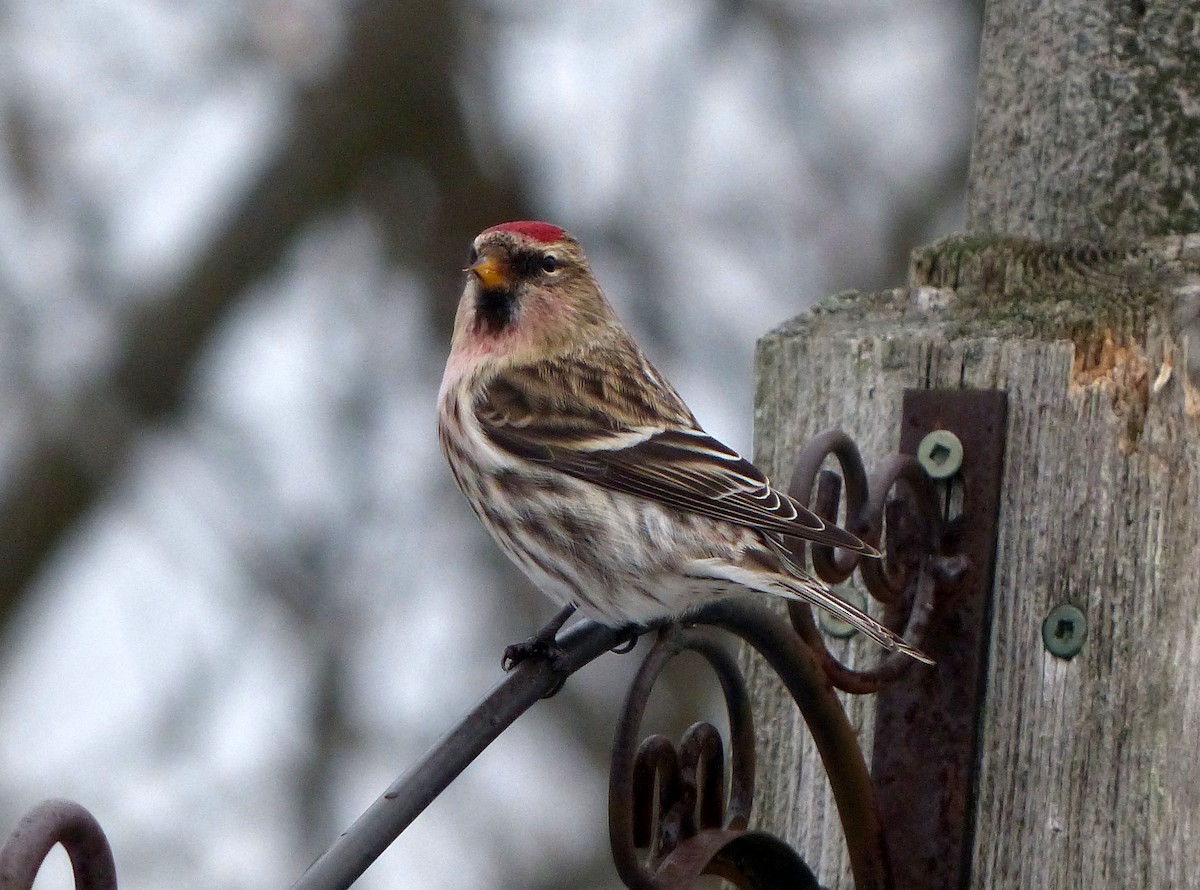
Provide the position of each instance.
(812, 591)
(803, 587)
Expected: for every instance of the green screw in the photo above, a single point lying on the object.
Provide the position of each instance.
(835, 626)
(941, 454)
(1064, 631)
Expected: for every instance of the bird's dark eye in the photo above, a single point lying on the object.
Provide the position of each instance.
(550, 263)
(473, 256)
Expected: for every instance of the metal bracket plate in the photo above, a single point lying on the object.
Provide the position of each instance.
(925, 758)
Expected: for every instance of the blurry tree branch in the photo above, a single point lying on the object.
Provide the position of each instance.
(390, 95)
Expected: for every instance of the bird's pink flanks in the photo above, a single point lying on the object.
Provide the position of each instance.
(542, 232)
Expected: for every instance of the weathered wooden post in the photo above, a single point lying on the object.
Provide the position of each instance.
(1068, 292)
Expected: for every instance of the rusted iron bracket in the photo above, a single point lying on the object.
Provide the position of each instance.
(926, 724)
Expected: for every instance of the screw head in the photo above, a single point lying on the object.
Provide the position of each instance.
(1064, 630)
(835, 626)
(941, 454)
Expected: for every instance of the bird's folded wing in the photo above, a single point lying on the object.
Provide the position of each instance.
(681, 467)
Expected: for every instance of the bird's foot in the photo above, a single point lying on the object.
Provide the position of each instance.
(544, 645)
(536, 646)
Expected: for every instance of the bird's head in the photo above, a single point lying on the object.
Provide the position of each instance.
(529, 295)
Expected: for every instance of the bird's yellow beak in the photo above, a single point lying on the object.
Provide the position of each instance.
(493, 273)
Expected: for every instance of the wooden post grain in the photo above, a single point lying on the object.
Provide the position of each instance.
(1071, 292)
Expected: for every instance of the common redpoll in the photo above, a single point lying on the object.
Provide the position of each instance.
(587, 467)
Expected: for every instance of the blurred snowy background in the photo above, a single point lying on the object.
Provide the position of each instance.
(237, 592)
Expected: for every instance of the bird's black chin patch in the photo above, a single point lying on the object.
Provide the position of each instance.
(495, 310)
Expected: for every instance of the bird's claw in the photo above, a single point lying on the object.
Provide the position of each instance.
(539, 647)
(630, 642)
(535, 647)
(544, 645)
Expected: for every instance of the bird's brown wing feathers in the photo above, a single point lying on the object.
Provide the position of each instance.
(655, 452)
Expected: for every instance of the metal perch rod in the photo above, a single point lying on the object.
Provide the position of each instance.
(363, 842)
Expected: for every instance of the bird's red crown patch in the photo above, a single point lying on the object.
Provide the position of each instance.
(544, 233)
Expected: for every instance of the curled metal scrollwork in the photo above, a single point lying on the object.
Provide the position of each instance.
(58, 822)
(671, 801)
(908, 529)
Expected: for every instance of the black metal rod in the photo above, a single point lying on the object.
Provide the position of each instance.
(364, 841)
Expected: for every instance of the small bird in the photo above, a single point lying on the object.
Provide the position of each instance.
(587, 467)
